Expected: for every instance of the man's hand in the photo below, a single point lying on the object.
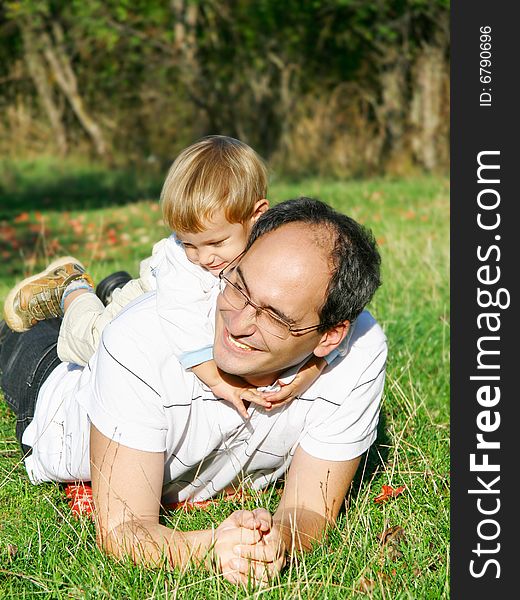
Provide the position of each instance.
(249, 544)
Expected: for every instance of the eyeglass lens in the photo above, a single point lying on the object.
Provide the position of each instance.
(263, 318)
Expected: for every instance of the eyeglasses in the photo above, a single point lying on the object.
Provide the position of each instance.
(264, 318)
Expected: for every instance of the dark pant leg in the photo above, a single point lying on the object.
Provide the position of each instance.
(26, 360)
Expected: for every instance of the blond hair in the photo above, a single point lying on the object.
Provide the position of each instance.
(216, 172)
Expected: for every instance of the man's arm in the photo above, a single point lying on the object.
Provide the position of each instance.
(314, 492)
(127, 487)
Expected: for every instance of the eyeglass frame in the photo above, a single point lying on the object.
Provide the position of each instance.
(248, 302)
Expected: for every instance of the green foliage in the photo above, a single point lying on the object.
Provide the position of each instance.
(156, 74)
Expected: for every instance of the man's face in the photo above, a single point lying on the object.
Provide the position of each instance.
(288, 273)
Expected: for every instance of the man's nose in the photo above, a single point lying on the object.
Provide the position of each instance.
(243, 322)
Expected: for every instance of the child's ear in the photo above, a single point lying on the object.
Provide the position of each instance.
(260, 207)
(331, 339)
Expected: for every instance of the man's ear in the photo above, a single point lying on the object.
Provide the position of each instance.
(331, 339)
(260, 207)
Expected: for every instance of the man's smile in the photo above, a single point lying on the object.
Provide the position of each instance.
(235, 345)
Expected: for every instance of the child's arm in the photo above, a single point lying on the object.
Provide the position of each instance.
(229, 387)
(185, 302)
(305, 377)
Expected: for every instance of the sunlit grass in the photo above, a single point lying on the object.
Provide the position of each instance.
(45, 552)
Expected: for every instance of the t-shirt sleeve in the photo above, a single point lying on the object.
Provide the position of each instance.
(121, 397)
(348, 429)
(185, 302)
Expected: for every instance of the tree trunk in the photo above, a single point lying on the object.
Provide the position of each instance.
(429, 114)
(39, 75)
(62, 71)
(185, 15)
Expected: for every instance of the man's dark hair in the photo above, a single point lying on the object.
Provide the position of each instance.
(354, 255)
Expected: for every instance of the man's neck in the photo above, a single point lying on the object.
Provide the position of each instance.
(262, 380)
(270, 378)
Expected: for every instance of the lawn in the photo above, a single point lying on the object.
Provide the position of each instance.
(110, 221)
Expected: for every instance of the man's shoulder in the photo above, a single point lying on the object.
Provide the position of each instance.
(138, 321)
(137, 341)
(366, 333)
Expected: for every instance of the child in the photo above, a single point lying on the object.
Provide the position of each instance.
(213, 194)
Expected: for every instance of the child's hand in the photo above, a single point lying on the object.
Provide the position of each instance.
(305, 377)
(229, 387)
(235, 390)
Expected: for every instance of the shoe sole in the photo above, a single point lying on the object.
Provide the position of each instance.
(13, 321)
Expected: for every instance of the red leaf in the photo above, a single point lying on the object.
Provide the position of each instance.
(81, 500)
(81, 506)
(388, 492)
(22, 218)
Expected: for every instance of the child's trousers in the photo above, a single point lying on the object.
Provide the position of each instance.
(87, 316)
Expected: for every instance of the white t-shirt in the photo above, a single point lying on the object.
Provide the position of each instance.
(136, 392)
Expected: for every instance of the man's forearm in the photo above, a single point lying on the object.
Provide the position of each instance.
(152, 544)
(300, 528)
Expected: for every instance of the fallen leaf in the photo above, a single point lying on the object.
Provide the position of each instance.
(366, 585)
(388, 492)
(81, 499)
(391, 538)
(392, 535)
(22, 218)
(12, 550)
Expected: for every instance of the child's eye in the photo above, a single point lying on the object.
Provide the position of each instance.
(218, 244)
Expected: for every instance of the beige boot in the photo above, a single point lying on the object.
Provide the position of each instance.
(38, 297)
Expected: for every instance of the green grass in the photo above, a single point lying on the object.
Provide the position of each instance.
(45, 552)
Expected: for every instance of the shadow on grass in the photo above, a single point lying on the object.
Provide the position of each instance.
(376, 459)
(46, 184)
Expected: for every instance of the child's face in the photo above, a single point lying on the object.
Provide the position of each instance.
(220, 242)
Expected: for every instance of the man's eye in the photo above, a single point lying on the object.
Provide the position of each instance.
(237, 286)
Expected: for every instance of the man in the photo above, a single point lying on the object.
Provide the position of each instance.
(145, 431)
